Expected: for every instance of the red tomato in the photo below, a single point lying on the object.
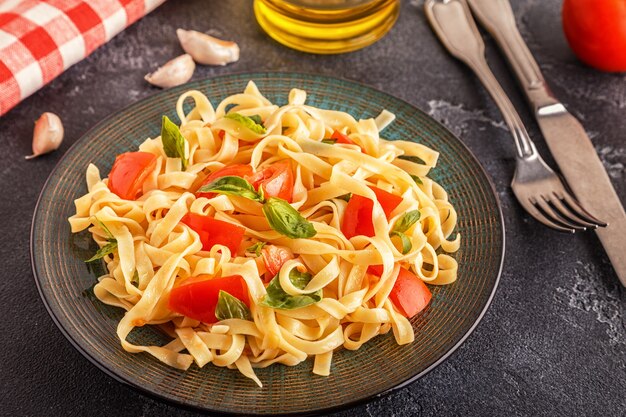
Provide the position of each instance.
(357, 219)
(341, 138)
(596, 32)
(277, 180)
(274, 257)
(198, 299)
(345, 139)
(238, 170)
(129, 172)
(387, 200)
(409, 294)
(215, 232)
(375, 270)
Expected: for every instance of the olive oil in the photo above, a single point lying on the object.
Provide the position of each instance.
(326, 26)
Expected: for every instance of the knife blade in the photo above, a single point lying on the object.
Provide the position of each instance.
(577, 159)
(566, 138)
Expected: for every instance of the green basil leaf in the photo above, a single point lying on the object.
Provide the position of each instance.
(417, 179)
(329, 141)
(300, 279)
(248, 122)
(135, 279)
(256, 119)
(229, 307)
(286, 220)
(256, 248)
(414, 159)
(231, 185)
(345, 197)
(107, 249)
(106, 230)
(277, 298)
(173, 141)
(407, 220)
(406, 242)
(262, 194)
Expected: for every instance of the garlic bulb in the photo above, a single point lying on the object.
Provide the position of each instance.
(206, 49)
(48, 134)
(176, 72)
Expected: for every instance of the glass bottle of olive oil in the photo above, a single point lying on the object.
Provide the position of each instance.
(326, 26)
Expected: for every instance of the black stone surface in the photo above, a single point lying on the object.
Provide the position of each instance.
(554, 340)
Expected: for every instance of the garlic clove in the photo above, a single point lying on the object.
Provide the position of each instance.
(48, 134)
(175, 72)
(206, 49)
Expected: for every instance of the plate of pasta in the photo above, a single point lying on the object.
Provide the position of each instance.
(267, 243)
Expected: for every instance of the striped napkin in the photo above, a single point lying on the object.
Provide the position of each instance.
(40, 39)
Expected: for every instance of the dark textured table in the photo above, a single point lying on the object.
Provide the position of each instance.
(552, 343)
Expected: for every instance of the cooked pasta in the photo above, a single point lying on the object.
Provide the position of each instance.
(324, 222)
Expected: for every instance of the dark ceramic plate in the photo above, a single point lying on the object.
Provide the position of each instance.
(65, 281)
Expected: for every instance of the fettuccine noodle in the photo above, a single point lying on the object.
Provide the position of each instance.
(156, 253)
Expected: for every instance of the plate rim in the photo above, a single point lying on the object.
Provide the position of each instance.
(179, 403)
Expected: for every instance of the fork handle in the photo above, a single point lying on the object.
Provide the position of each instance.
(497, 17)
(452, 22)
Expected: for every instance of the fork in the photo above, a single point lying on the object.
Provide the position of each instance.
(535, 185)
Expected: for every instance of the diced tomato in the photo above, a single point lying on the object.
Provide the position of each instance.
(341, 138)
(197, 300)
(221, 134)
(375, 270)
(387, 200)
(409, 294)
(277, 180)
(274, 258)
(357, 219)
(129, 172)
(345, 139)
(238, 170)
(215, 232)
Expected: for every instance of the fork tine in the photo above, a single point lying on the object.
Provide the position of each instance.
(541, 218)
(568, 213)
(577, 208)
(553, 215)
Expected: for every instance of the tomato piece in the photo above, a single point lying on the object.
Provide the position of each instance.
(345, 139)
(387, 200)
(215, 232)
(274, 257)
(409, 294)
(375, 270)
(596, 32)
(277, 180)
(129, 172)
(238, 170)
(342, 138)
(197, 300)
(357, 219)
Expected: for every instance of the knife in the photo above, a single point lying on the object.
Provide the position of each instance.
(566, 138)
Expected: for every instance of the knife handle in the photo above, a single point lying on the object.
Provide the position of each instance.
(497, 17)
(452, 22)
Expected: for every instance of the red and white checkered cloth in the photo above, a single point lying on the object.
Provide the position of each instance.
(40, 39)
